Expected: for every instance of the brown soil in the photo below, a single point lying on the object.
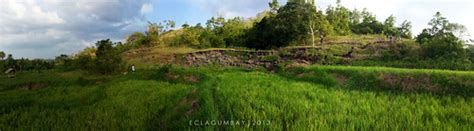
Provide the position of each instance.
(305, 74)
(390, 80)
(98, 82)
(171, 76)
(341, 79)
(191, 100)
(33, 86)
(410, 83)
(191, 79)
(194, 106)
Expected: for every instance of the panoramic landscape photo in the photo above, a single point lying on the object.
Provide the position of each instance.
(236, 65)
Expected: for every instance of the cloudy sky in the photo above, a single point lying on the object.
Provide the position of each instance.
(47, 28)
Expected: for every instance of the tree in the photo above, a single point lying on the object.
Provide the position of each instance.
(136, 39)
(405, 29)
(458, 30)
(389, 26)
(470, 52)
(152, 33)
(208, 38)
(10, 62)
(85, 62)
(423, 37)
(169, 24)
(293, 22)
(369, 24)
(108, 58)
(190, 37)
(233, 31)
(2, 55)
(355, 17)
(62, 59)
(339, 17)
(320, 26)
(200, 37)
(439, 40)
(88, 51)
(274, 6)
(311, 2)
(446, 46)
(215, 23)
(439, 24)
(185, 25)
(156, 29)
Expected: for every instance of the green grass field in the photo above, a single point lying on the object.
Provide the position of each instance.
(312, 98)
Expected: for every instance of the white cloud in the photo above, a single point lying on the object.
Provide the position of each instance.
(231, 8)
(47, 28)
(146, 8)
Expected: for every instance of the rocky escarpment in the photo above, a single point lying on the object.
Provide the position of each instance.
(294, 55)
(251, 59)
(335, 53)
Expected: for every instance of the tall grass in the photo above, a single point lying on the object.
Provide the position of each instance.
(301, 99)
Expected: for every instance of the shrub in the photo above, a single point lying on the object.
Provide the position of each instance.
(270, 58)
(470, 53)
(291, 23)
(108, 58)
(85, 62)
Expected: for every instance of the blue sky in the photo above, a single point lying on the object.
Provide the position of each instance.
(167, 10)
(47, 28)
(199, 11)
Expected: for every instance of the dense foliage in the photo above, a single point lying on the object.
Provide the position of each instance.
(292, 23)
(298, 22)
(24, 64)
(439, 40)
(435, 47)
(108, 58)
(105, 58)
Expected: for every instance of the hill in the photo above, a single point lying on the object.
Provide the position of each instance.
(293, 67)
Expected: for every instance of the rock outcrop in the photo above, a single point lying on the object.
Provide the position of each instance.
(252, 59)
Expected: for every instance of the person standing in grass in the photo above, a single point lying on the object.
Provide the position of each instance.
(133, 68)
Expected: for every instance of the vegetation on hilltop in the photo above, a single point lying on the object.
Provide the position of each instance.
(297, 23)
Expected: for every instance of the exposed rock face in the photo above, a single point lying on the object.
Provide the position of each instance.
(223, 57)
(271, 59)
(251, 59)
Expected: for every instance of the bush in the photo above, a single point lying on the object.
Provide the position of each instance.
(108, 58)
(270, 58)
(85, 62)
(290, 24)
(401, 51)
(470, 53)
(445, 46)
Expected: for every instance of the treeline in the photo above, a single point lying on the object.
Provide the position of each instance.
(438, 46)
(299, 22)
(296, 23)
(7, 62)
(104, 58)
